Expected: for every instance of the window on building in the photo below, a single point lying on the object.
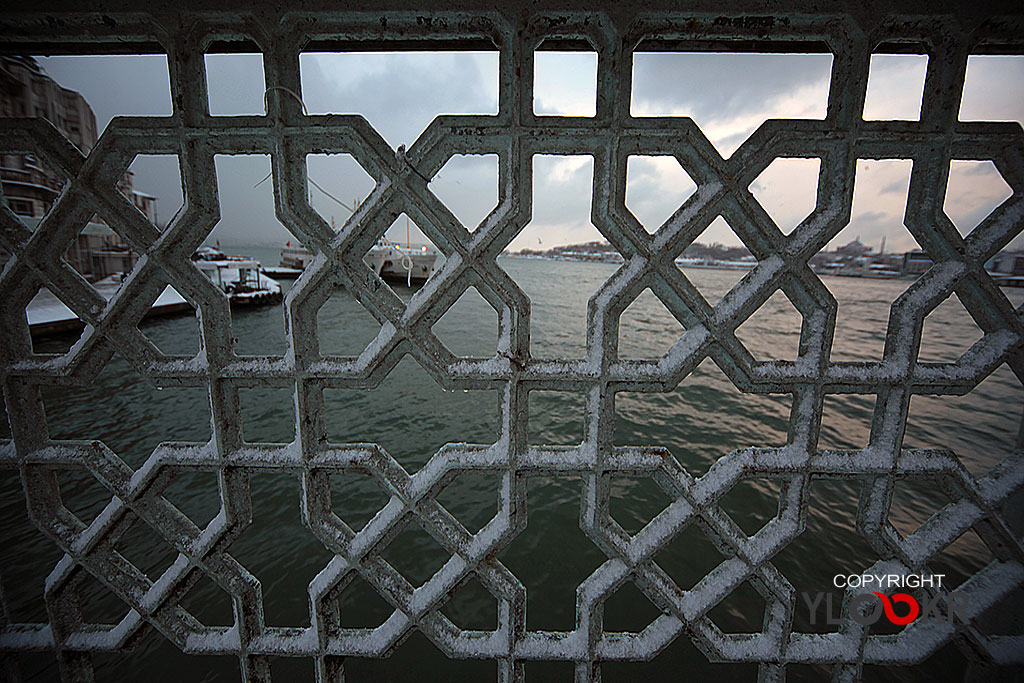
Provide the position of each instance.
(21, 207)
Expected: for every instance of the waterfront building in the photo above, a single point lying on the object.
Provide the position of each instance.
(1007, 268)
(915, 262)
(30, 189)
(854, 249)
(1007, 263)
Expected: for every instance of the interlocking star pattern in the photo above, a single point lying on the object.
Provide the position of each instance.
(515, 134)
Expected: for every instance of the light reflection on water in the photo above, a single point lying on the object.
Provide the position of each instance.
(701, 420)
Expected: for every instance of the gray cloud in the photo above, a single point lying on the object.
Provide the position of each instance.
(247, 212)
(400, 94)
(135, 85)
(898, 187)
(983, 170)
(871, 217)
(648, 196)
(715, 86)
(468, 186)
(561, 203)
(993, 89)
(235, 84)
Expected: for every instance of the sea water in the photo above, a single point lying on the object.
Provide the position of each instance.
(704, 418)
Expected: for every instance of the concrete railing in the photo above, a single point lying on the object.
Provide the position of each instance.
(515, 134)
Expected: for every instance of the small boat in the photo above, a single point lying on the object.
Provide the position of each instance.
(239, 277)
(293, 261)
(389, 260)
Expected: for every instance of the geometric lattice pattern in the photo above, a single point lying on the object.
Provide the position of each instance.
(515, 134)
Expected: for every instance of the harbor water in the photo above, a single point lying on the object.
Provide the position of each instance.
(410, 416)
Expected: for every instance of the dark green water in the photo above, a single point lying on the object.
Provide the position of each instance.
(703, 419)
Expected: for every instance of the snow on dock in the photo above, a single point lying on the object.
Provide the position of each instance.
(48, 315)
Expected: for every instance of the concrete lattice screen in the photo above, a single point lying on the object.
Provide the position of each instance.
(515, 134)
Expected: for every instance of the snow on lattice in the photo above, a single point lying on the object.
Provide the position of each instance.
(287, 135)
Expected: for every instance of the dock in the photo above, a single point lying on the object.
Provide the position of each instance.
(47, 315)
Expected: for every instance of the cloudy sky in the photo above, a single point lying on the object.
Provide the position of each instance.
(728, 95)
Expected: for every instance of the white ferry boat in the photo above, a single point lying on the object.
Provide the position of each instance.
(389, 260)
(239, 277)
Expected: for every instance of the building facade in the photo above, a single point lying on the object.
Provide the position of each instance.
(916, 262)
(29, 188)
(1007, 263)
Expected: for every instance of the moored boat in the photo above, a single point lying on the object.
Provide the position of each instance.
(239, 277)
(389, 260)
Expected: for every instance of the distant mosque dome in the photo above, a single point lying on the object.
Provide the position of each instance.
(854, 248)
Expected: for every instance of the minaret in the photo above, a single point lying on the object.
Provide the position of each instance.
(882, 251)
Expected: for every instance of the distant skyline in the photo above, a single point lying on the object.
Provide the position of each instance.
(728, 95)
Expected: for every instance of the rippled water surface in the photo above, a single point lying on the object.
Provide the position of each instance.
(701, 420)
